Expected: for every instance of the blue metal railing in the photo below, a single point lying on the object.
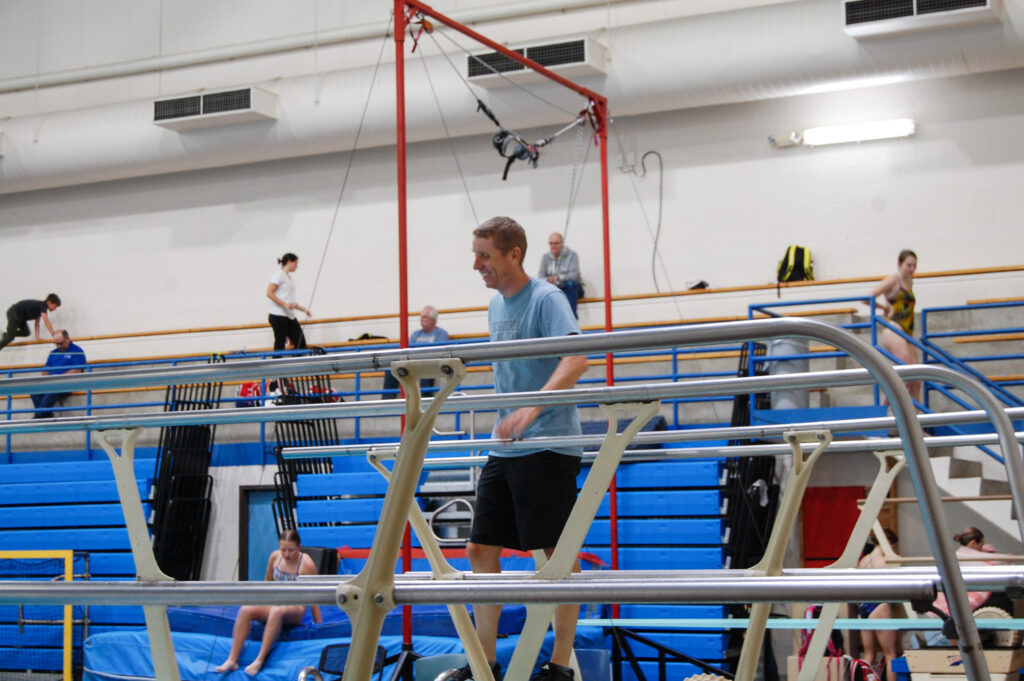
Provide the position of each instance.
(678, 359)
(965, 362)
(681, 361)
(930, 352)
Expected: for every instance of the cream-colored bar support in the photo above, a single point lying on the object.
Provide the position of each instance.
(771, 562)
(540, 559)
(440, 568)
(165, 666)
(563, 558)
(369, 596)
(858, 536)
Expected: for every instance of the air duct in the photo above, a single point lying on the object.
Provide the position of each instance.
(231, 107)
(575, 58)
(875, 18)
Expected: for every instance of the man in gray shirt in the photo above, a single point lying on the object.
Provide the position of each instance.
(561, 267)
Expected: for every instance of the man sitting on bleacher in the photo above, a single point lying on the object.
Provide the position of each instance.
(66, 358)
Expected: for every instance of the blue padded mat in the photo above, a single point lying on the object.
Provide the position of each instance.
(123, 656)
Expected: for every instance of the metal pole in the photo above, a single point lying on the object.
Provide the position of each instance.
(520, 589)
(403, 262)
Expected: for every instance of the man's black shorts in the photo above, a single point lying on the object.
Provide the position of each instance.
(523, 502)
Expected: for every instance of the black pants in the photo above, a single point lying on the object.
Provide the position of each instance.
(286, 328)
(16, 327)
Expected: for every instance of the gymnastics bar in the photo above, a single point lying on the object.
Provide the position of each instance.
(490, 589)
(699, 434)
(869, 357)
(996, 413)
(380, 360)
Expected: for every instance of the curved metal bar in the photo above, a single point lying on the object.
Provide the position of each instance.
(704, 334)
(1004, 427)
(380, 360)
(643, 392)
(437, 592)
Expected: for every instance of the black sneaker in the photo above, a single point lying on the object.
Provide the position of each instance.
(549, 671)
(466, 674)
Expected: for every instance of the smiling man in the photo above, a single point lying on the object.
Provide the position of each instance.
(524, 497)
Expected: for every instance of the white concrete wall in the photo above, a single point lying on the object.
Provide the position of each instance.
(196, 249)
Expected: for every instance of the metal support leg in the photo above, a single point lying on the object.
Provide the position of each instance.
(771, 563)
(440, 568)
(165, 666)
(563, 558)
(867, 519)
(368, 597)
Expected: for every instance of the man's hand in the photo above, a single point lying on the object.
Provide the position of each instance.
(552, 279)
(512, 426)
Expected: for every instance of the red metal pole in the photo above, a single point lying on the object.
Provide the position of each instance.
(601, 109)
(403, 273)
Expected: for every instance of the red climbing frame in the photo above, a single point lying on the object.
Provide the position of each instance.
(598, 106)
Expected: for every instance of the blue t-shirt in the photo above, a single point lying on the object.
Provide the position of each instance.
(538, 310)
(61, 361)
(421, 337)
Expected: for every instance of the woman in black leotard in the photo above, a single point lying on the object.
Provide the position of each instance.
(284, 565)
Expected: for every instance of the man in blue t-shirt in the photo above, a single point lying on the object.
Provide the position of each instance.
(524, 498)
(66, 358)
(429, 333)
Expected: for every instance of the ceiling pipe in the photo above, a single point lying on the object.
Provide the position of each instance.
(262, 48)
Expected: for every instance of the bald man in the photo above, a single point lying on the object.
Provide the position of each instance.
(561, 267)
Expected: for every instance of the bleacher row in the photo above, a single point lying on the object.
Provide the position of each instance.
(67, 505)
(671, 517)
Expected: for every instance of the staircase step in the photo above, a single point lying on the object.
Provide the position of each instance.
(990, 486)
(963, 468)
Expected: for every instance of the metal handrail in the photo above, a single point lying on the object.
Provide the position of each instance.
(704, 334)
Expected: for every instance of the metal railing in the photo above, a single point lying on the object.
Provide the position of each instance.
(685, 590)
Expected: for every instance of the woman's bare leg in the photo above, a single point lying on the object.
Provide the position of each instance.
(278, 617)
(240, 632)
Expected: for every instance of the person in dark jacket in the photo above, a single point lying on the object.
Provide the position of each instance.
(25, 311)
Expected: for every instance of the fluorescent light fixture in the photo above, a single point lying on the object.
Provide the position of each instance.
(859, 132)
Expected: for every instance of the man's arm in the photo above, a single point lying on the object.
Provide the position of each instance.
(565, 376)
(46, 319)
(542, 273)
(572, 267)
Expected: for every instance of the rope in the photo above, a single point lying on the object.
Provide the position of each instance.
(348, 167)
(661, 194)
(448, 136)
(574, 183)
(522, 149)
(655, 236)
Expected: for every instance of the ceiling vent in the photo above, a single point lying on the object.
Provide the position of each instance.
(874, 18)
(215, 108)
(575, 58)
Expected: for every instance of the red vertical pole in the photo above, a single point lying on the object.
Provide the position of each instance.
(601, 109)
(403, 273)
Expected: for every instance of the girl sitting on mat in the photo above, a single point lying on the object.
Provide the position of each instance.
(284, 565)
